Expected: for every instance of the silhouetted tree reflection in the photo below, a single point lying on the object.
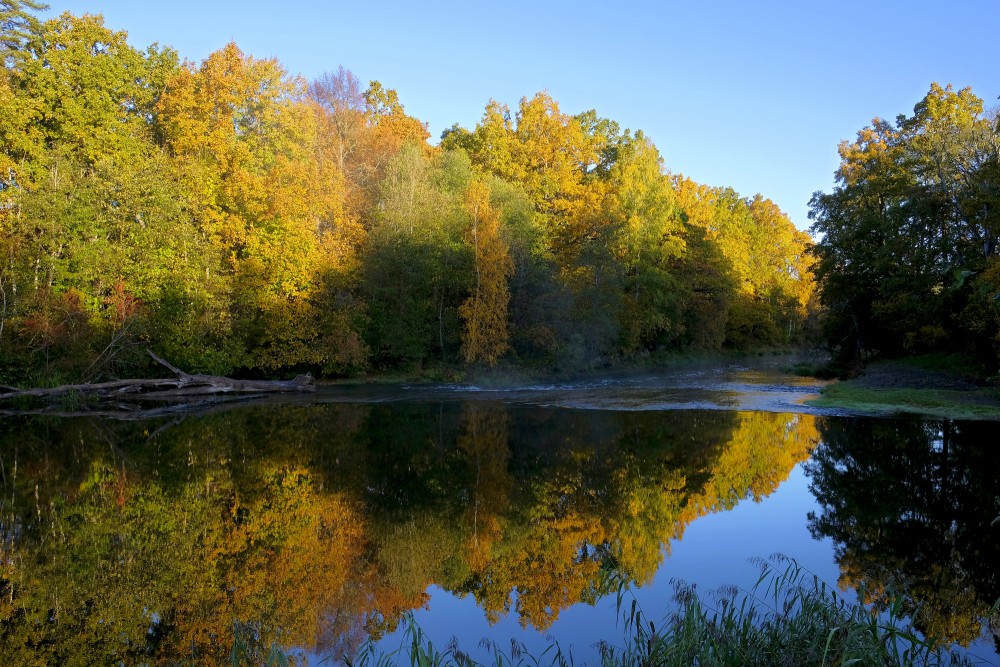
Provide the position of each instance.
(912, 507)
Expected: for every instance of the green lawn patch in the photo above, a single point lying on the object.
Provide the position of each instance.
(982, 403)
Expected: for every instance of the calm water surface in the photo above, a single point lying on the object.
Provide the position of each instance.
(483, 512)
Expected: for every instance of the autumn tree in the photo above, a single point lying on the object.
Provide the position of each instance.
(484, 313)
(238, 219)
(416, 269)
(761, 256)
(345, 134)
(388, 129)
(550, 156)
(244, 135)
(649, 238)
(339, 94)
(545, 151)
(73, 226)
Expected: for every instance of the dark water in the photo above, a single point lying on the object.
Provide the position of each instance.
(485, 514)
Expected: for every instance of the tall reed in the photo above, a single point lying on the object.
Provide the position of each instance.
(788, 618)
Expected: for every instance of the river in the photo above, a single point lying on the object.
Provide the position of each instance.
(317, 523)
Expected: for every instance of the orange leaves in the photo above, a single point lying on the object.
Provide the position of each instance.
(246, 118)
(392, 128)
(122, 305)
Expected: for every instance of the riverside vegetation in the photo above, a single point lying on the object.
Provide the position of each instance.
(239, 220)
(934, 385)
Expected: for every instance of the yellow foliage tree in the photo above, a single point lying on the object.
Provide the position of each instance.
(267, 191)
(486, 336)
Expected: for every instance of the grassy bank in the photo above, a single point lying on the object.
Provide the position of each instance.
(938, 403)
(941, 386)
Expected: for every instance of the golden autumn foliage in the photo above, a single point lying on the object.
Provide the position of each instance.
(269, 225)
(267, 194)
(485, 311)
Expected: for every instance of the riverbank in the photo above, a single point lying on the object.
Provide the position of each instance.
(945, 387)
(761, 382)
(510, 374)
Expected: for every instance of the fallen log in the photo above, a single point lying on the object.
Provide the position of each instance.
(181, 386)
(217, 384)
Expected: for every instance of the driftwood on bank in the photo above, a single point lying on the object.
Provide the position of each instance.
(182, 386)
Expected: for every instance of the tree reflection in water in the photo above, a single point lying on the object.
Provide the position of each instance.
(319, 526)
(912, 507)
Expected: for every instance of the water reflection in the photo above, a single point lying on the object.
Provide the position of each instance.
(914, 508)
(318, 526)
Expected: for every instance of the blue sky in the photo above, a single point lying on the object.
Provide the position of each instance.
(754, 95)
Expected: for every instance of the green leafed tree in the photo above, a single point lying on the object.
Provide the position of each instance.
(910, 228)
(17, 23)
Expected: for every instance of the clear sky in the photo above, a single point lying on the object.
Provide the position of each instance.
(751, 94)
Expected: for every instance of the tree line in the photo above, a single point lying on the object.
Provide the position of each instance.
(237, 219)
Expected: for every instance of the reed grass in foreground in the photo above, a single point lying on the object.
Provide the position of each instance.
(789, 617)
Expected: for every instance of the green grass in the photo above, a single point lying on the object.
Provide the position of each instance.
(789, 617)
(950, 386)
(940, 403)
